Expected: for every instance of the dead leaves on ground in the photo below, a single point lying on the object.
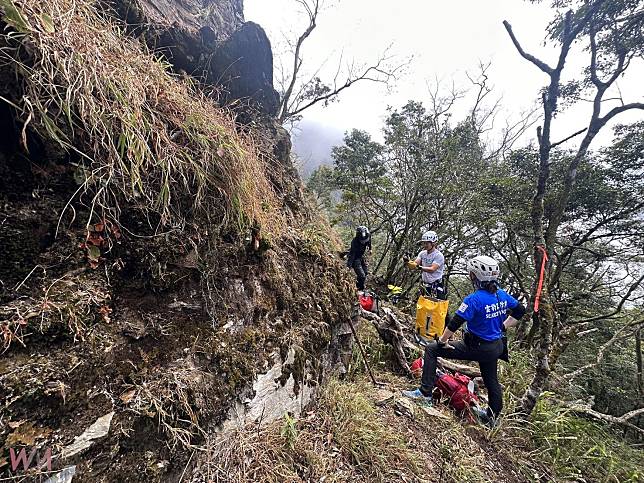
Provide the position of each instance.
(100, 239)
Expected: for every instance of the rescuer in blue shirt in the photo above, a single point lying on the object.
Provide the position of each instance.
(486, 314)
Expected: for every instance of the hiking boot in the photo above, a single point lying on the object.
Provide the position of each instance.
(492, 422)
(484, 417)
(419, 397)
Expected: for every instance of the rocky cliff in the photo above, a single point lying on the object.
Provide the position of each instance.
(209, 40)
(163, 277)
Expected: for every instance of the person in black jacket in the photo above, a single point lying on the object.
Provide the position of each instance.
(355, 259)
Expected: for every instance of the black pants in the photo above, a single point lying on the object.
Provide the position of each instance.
(486, 353)
(360, 267)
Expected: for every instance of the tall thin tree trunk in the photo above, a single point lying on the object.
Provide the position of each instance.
(638, 357)
(542, 367)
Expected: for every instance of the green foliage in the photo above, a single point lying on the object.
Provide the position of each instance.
(516, 375)
(612, 384)
(315, 238)
(574, 448)
(359, 173)
(379, 354)
(320, 184)
(618, 27)
(289, 431)
(599, 237)
(420, 178)
(13, 16)
(617, 23)
(581, 450)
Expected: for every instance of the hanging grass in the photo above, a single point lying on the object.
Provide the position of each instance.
(142, 135)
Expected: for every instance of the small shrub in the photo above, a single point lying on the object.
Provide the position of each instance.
(289, 430)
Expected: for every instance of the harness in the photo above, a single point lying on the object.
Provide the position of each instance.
(434, 289)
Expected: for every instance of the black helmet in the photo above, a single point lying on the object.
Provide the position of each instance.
(362, 232)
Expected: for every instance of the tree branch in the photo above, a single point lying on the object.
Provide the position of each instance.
(312, 12)
(618, 110)
(600, 354)
(620, 421)
(348, 83)
(621, 303)
(593, 61)
(539, 63)
(581, 131)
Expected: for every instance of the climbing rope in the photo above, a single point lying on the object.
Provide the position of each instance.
(544, 259)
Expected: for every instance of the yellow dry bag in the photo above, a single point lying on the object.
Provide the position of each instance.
(430, 317)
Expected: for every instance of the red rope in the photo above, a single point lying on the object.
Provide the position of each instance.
(544, 259)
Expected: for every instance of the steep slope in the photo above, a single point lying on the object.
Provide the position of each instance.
(357, 432)
(158, 255)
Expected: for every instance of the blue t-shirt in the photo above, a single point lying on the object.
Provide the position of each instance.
(485, 312)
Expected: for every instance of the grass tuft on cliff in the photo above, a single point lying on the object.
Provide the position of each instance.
(138, 133)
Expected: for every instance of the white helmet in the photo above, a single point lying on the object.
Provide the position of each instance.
(484, 268)
(429, 236)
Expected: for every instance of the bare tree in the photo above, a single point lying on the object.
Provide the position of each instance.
(591, 18)
(483, 114)
(300, 92)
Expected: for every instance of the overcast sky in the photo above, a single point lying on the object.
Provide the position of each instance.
(446, 39)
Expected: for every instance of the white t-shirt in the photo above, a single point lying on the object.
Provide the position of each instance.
(425, 259)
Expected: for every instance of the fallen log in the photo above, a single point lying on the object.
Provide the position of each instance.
(462, 368)
(392, 331)
(584, 409)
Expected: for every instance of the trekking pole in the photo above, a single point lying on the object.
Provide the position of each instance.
(364, 355)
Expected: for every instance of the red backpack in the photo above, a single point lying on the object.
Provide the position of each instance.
(369, 302)
(456, 389)
(366, 302)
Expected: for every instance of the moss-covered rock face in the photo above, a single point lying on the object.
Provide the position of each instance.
(166, 313)
(185, 356)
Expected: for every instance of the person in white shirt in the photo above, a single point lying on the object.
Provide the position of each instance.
(431, 263)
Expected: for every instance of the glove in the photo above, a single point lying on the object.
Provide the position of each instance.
(412, 265)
